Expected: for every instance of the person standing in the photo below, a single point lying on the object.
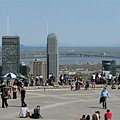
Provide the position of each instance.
(93, 80)
(14, 88)
(110, 78)
(9, 93)
(32, 80)
(23, 92)
(104, 95)
(108, 115)
(4, 97)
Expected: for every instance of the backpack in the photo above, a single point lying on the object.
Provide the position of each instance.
(3, 95)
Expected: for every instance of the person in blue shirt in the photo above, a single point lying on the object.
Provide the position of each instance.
(36, 113)
(104, 95)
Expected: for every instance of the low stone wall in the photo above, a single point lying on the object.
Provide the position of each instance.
(58, 87)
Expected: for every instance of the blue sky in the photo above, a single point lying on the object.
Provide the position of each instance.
(75, 22)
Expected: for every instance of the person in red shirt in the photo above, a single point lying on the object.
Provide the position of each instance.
(108, 115)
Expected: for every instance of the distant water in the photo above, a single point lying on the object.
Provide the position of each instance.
(73, 60)
(79, 60)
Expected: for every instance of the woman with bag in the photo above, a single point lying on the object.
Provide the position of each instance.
(4, 97)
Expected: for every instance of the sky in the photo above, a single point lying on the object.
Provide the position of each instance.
(75, 22)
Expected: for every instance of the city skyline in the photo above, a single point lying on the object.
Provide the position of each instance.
(76, 23)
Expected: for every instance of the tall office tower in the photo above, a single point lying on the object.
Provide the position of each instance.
(38, 67)
(52, 55)
(10, 54)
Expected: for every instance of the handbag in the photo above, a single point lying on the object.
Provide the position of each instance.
(101, 100)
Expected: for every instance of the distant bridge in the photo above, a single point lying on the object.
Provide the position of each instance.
(88, 55)
(75, 55)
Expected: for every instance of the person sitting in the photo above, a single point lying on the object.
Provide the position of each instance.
(24, 112)
(96, 115)
(88, 117)
(108, 115)
(119, 86)
(87, 84)
(72, 85)
(36, 113)
(83, 118)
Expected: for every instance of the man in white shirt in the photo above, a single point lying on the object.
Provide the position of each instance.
(24, 112)
(110, 78)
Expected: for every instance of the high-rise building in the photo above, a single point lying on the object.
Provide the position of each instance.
(52, 55)
(38, 67)
(10, 54)
(24, 69)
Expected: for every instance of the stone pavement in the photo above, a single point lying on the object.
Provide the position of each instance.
(63, 104)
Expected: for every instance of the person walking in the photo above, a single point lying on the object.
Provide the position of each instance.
(108, 115)
(104, 95)
(23, 92)
(4, 97)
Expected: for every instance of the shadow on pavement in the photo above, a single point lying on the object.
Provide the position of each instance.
(96, 107)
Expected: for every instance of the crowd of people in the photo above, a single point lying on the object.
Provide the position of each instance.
(75, 83)
(18, 88)
(96, 79)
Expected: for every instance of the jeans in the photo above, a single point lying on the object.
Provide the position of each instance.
(105, 103)
(4, 102)
(22, 101)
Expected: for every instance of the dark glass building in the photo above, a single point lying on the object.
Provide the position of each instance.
(24, 69)
(52, 55)
(108, 65)
(10, 54)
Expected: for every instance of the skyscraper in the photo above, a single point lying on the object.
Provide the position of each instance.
(10, 54)
(52, 55)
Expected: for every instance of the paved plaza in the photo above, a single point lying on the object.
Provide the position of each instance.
(63, 104)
